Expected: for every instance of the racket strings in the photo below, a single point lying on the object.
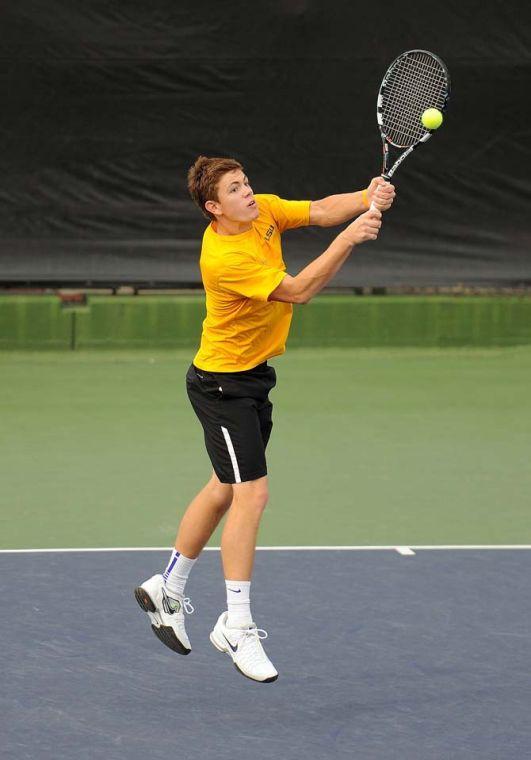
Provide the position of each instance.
(409, 96)
(410, 83)
(413, 89)
(403, 116)
(410, 89)
(416, 82)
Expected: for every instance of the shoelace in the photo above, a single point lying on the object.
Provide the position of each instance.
(256, 632)
(187, 604)
(253, 653)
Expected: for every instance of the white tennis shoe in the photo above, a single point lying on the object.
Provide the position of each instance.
(166, 613)
(245, 647)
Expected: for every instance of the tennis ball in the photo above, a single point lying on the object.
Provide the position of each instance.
(432, 118)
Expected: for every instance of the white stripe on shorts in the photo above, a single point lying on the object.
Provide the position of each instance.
(232, 454)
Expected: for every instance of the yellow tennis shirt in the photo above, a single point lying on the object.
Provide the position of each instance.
(242, 328)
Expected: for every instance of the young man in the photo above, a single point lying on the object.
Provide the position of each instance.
(249, 298)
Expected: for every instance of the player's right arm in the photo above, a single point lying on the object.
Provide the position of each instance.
(310, 280)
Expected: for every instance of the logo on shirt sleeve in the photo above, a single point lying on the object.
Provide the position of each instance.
(269, 232)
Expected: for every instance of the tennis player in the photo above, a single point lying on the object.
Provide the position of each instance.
(249, 304)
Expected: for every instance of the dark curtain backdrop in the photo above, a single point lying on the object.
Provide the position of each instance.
(107, 102)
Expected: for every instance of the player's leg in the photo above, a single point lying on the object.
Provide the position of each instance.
(162, 595)
(227, 406)
(247, 434)
(235, 633)
(196, 527)
(238, 541)
(202, 517)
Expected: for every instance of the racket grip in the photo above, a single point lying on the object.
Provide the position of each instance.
(372, 207)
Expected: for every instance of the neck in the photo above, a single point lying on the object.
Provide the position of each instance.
(231, 227)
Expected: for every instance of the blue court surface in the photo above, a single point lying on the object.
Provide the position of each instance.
(380, 656)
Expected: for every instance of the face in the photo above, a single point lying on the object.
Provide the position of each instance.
(235, 198)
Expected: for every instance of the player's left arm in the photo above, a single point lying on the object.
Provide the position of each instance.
(336, 209)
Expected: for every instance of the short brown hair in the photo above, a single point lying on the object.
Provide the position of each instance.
(204, 176)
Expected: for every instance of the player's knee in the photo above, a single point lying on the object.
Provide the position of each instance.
(257, 505)
(260, 499)
(254, 495)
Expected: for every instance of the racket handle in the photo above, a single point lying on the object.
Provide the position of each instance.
(372, 207)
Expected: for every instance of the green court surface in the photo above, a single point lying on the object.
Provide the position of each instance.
(369, 447)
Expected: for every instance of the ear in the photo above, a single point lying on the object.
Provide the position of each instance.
(213, 208)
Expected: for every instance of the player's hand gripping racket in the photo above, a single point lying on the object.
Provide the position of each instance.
(415, 81)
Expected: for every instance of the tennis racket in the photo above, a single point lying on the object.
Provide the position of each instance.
(415, 81)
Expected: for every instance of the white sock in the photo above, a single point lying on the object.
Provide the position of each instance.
(177, 572)
(238, 603)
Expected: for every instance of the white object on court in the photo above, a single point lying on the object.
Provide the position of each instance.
(166, 613)
(245, 647)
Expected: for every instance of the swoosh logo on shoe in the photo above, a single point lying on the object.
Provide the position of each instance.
(174, 604)
(234, 649)
(169, 604)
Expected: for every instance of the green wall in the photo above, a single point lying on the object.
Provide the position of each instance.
(40, 322)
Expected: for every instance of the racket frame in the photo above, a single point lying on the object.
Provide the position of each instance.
(387, 173)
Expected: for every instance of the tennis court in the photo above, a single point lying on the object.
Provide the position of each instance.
(370, 447)
(382, 652)
(367, 164)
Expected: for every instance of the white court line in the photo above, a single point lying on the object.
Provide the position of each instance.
(405, 550)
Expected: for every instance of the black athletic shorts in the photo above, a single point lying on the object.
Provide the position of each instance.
(235, 412)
